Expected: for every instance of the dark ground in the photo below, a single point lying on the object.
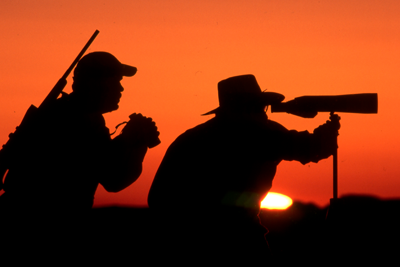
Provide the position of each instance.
(359, 230)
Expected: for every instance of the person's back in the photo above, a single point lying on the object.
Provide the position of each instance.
(211, 190)
(215, 162)
(58, 163)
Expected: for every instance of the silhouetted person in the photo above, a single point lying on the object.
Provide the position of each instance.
(208, 188)
(70, 151)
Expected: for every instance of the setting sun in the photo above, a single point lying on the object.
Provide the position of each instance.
(276, 201)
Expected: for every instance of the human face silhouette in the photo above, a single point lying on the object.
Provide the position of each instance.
(110, 90)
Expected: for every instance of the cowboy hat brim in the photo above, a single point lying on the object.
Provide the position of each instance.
(265, 98)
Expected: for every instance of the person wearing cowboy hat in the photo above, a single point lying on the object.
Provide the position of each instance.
(71, 152)
(209, 185)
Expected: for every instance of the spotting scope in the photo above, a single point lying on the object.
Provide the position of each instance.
(309, 106)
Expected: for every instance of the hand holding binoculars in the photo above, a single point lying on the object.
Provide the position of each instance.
(141, 128)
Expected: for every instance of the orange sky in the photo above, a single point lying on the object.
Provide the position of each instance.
(183, 48)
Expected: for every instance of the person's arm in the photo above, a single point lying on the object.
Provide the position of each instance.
(127, 153)
(321, 144)
(126, 165)
(324, 141)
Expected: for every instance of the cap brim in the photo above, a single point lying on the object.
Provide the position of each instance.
(128, 71)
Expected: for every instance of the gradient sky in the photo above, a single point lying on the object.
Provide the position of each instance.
(183, 48)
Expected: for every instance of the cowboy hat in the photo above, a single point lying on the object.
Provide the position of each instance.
(238, 93)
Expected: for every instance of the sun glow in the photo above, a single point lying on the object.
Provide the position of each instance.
(276, 201)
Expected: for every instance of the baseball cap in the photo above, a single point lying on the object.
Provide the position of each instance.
(100, 64)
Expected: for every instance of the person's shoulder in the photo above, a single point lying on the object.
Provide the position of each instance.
(66, 113)
(202, 127)
(199, 129)
(198, 132)
(59, 107)
(275, 126)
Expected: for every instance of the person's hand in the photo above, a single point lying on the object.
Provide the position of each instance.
(326, 136)
(330, 128)
(141, 129)
(334, 121)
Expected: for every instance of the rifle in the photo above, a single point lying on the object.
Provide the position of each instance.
(15, 139)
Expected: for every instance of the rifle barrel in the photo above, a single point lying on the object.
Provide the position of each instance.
(80, 55)
(57, 89)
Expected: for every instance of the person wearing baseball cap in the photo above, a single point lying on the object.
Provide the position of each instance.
(97, 80)
(72, 152)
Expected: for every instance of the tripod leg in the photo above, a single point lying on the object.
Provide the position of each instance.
(335, 167)
(335, 175)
